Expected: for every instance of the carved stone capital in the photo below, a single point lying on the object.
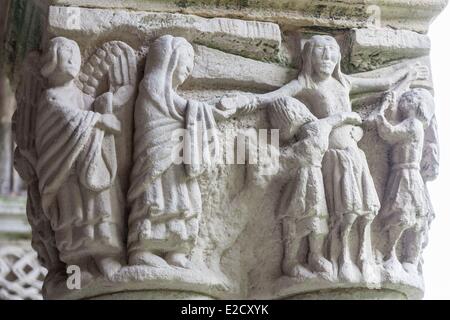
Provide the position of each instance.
(262, 151)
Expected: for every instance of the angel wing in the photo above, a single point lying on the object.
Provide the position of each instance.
(113, 68)
(28, 94)
(113, 64)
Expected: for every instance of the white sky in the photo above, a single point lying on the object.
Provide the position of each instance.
(437, 254)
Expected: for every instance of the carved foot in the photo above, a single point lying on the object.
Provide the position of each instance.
(108, 266)
(86, 278)
(370, 273)
(318, 263)
(297, 271)
(392, 266)
(148, 259)
(178, 260)
(349, 272)
(410, 268)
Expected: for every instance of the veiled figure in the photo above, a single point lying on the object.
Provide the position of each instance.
(164, 195)
(76, 165)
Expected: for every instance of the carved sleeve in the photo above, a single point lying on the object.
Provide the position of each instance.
(390, 133)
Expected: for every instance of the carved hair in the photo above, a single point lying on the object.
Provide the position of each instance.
(51, 59)
(420, 101)
(288, 114)
(306, 67)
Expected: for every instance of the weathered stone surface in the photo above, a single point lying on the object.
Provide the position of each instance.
(254, 39)
(412, 14)
(212, 69)
(372, 48)
(168, 184)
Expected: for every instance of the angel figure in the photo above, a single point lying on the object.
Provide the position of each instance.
(302, 208)
(165, 196)
(406, 206)
(350, 191)
(73, 157)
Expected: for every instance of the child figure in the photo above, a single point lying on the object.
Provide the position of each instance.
(406, 205)
(303, 207)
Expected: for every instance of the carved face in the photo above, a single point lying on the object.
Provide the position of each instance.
(185, 65)
(324, 58)
(69, 61)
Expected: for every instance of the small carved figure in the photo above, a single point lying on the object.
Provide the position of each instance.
(165, 196)
(350, 191)
(406, 207)
(302, 207)
(72, 155)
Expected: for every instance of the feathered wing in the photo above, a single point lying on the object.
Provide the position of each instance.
(113, 68)
(28, 95)
(113, 64)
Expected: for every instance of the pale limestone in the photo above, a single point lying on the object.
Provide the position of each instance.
(307, 220)
(402, 14)
(254, 39)
(372, 48)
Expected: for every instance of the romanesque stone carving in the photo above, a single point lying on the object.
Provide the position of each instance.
(71, 163)
(304, 212)
(407, 209)
(128, 183)
(350, 192)
(165, 197)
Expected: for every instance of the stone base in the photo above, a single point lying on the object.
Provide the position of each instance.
(154, 295)
(351, 294)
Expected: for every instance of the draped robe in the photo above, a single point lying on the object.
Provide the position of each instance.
(76, 175)
(165, 196)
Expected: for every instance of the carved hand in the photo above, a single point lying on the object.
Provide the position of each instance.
(390, 98)
(419, 72)
(249, 107)
(123, 95)
(240, 104)
(110, 123)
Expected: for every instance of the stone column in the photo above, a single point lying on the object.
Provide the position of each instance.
(131, 137)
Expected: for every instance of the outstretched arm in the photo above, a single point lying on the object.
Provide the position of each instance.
(362, 85)
(288, 90)
(340, 119)
(391, 133)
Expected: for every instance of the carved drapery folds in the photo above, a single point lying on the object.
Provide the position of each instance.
(120, 144)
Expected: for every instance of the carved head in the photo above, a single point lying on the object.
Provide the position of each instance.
(185, 63)
(321, 59)
(417, 103)
(170, 58)
(62, 61)
(288, 115)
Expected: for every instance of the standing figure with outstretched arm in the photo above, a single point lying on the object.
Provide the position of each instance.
(406, 206)
(164, 195)
(350, 190)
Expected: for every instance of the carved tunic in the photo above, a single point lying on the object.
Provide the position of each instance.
(303, 195)
(406, 199)
(348, 182)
